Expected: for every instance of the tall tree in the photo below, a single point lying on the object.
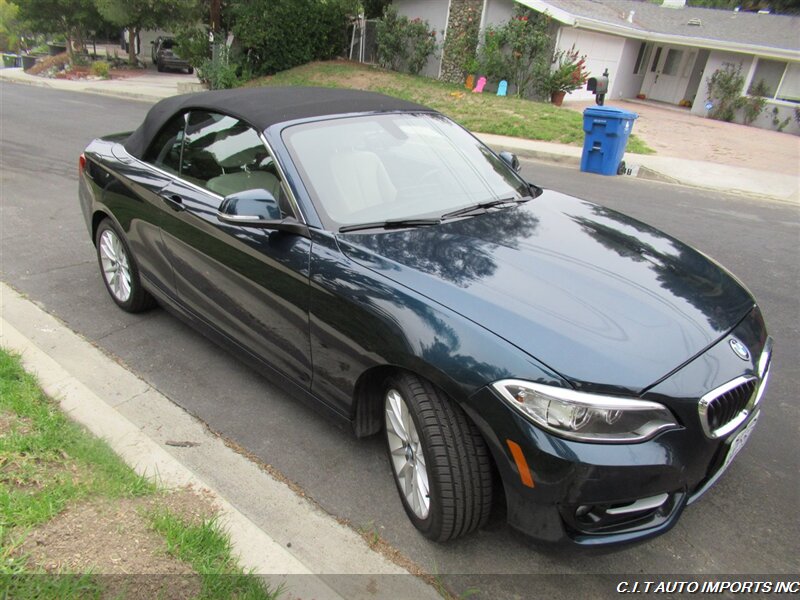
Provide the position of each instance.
(69, 17)
(9, 26)
(135, 15)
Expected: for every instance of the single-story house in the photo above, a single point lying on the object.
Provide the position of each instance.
(664, 52)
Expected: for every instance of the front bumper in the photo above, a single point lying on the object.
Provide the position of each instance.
(599, 494)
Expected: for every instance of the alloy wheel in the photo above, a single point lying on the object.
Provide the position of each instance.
(116, 266)
(408, 459)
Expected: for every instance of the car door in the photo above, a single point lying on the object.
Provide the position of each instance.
(250, 284)
(134, 198)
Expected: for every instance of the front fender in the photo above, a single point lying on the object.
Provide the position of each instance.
(361, 320)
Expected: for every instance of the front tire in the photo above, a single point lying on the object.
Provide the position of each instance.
(439, 460)
(119, 270)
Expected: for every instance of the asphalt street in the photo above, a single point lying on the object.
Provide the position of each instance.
(748, 523)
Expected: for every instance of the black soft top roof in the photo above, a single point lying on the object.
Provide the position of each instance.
(264, 106)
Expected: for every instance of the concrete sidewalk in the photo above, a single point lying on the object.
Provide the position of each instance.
(147, 87)
(714, 176)
(694, 173)
(275, 532)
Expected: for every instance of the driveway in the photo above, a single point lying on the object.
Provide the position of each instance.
(675, 132)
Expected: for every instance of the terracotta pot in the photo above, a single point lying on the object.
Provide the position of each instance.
(557, 98)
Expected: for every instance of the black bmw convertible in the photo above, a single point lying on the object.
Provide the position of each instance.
(512, 344)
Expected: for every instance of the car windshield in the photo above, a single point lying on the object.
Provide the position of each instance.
(396, 166)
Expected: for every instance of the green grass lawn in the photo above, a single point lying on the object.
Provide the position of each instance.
(49, 465)
(484, 113)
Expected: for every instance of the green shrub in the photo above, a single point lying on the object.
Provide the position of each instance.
(777, 123)
(102, 69)
(519, 51)
(755, 102)
(276, 35)
(80, 59)
(404, 44)
(219, 72)
(725, 91)
(191, 44)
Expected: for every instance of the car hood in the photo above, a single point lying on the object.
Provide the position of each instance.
(606, 301)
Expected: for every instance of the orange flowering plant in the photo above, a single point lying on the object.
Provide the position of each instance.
(569, 72)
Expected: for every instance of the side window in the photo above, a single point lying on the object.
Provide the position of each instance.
(225, 156)
(165, 151)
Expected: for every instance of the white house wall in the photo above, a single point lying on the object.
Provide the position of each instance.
(435, 13)
(497, 12)
(693, 91)
(715, 60)
(764, 121)
(602, 52)
(624, 84)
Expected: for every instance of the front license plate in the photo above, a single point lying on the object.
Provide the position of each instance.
(739, 441)
(736, 444)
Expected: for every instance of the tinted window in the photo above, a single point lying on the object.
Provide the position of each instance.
(165, 151)
(225, 155)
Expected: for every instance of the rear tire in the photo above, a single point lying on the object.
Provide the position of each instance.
(119, 270)
(159, 67)
(430, 440)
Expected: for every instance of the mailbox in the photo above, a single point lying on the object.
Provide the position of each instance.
(598, 86)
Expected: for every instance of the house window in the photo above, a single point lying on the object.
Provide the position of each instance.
(770, 72)
(790, 86)
(672, 62)
(687, 68)
(642, 58)
(781, 79)
(656, 58)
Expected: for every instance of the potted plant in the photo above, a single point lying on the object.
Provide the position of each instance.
(567, 75)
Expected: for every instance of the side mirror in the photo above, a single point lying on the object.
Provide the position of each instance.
(257, 208)
(511, 160)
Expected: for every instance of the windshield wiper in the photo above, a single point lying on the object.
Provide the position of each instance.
(395, 224)
(484, 206)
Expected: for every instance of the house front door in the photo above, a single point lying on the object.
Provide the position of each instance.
(668, 74)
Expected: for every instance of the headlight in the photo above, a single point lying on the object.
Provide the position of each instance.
(586, 417)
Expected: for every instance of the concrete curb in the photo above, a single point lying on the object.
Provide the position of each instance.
(50, 84)
(136, 420)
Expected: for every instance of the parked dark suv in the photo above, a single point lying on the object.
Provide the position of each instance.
(164, 56)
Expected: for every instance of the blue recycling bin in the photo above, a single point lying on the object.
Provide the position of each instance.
(606, 134)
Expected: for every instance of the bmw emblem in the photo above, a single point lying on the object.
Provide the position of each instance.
(739, 349)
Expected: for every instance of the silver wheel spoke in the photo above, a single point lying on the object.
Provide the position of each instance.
(405, 452)
(115, 265)
(396, 414)
(406, 476)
